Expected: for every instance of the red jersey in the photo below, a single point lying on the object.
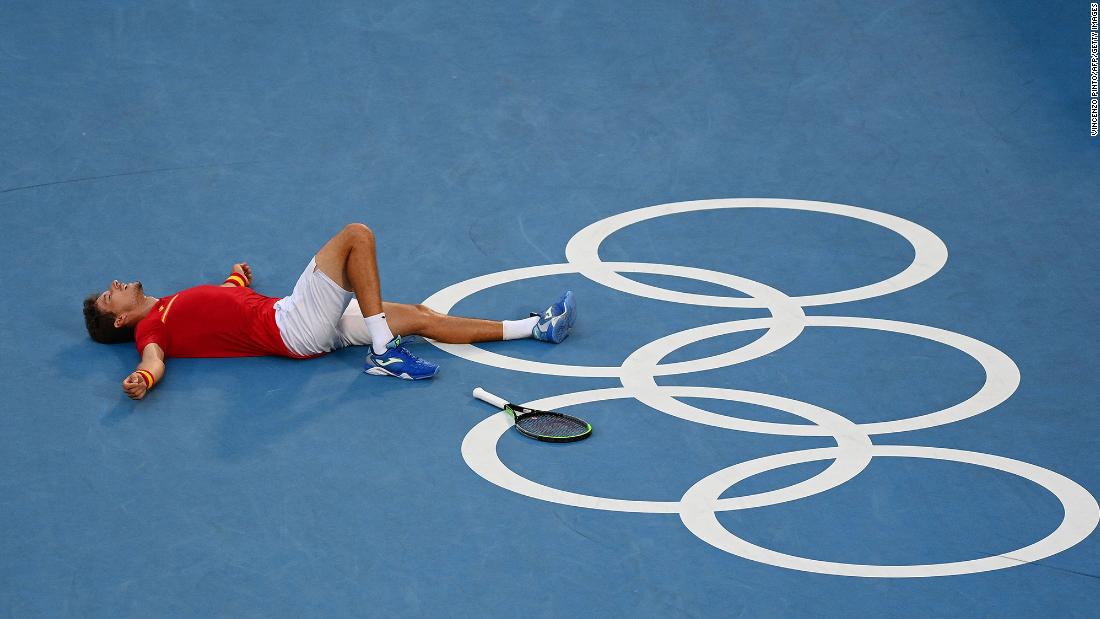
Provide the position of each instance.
(214, 321)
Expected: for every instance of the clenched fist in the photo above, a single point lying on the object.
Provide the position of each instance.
(244, 270)
(135, 386)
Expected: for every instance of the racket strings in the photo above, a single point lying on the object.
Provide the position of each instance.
(550, 424)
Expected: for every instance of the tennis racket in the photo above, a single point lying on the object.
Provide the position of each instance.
(540, 425)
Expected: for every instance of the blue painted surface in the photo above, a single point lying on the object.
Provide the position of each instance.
(154, 141)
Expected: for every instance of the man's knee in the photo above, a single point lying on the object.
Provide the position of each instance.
(359, 232)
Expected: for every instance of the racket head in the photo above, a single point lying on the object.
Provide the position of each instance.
(549, 426)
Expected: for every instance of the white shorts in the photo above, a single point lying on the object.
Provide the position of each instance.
(320, 316)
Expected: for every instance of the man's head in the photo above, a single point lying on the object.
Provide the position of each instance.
(111, 315)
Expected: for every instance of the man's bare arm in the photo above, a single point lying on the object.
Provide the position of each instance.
(148, 372)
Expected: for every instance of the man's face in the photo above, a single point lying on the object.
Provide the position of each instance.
(121, 300)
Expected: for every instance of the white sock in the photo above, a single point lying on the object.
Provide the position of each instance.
(519, 329)
(380, 334)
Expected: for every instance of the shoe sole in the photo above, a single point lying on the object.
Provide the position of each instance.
(564, 333)
(572, 312)
(377, 371)
(570, 318)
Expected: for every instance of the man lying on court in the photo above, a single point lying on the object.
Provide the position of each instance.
(321, 315)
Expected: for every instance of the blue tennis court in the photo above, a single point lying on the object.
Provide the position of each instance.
(834, 266)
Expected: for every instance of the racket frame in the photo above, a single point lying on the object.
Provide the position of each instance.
(518, 412)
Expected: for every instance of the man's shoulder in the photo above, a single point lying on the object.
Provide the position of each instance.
(156, 314)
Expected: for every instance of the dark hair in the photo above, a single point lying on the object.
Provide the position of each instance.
(101, 325)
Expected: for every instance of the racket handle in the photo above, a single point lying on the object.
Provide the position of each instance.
(485, 396)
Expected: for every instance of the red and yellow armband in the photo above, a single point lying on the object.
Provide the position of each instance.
(147, 376)
(237, 280)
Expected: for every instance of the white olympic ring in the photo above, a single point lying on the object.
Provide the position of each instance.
(1081, 514)
(1002, 376)
(479, 449)
(854, 449)
(787, 319)
(583, 249)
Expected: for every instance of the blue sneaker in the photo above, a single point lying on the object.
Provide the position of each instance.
(554, 324)
(398, 361)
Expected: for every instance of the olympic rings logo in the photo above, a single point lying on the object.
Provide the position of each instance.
(854, 449)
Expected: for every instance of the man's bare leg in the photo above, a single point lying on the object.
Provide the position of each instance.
(426, 322)
(348, 258)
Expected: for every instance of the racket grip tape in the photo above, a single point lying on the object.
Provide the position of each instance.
(485, 396)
